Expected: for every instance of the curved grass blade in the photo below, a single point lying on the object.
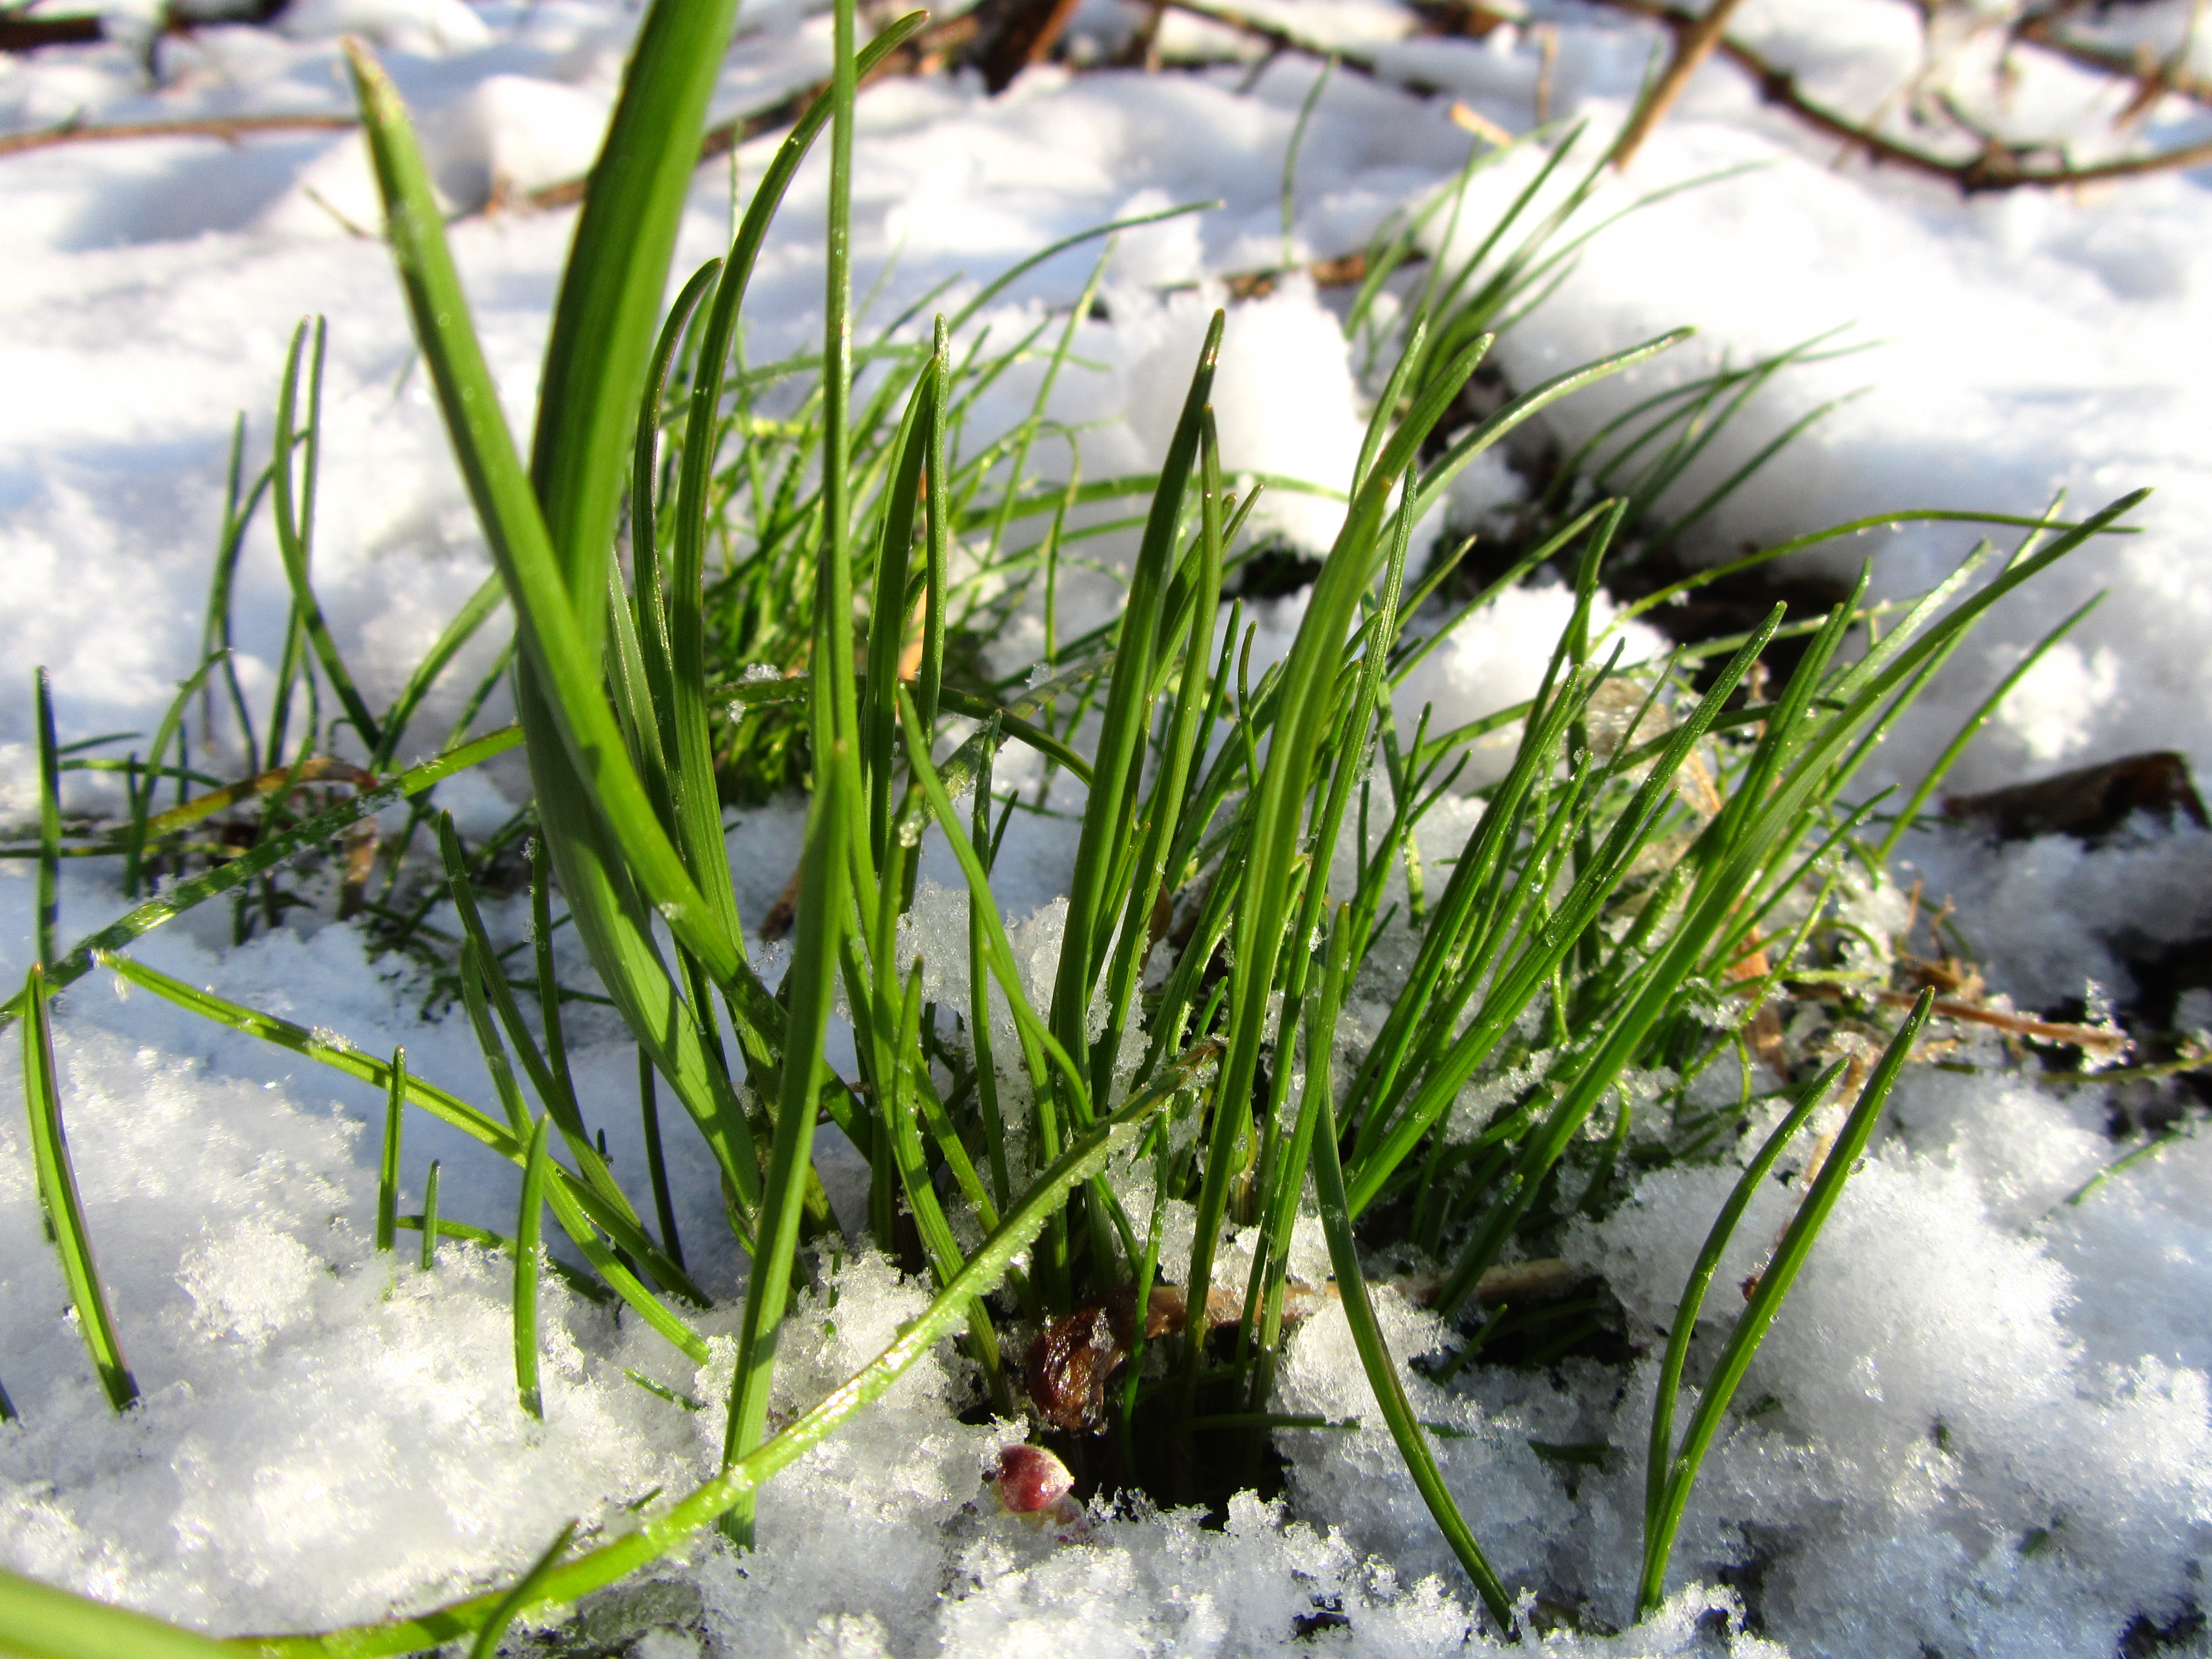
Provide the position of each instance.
(58, 1194)
(45, 1622)
(478, 1125)
(295, 522)
(1766, 1301)
(238, 871)
(1375, 1355)
(560, 629)
(486, 1646)
(1692, 1299)
(1084, 1158)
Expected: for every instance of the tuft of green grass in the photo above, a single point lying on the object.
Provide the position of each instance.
(1610, 913)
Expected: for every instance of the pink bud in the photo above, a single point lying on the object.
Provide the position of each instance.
(1031, 1479)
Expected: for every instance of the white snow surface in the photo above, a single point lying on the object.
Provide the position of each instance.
(1990, 1427)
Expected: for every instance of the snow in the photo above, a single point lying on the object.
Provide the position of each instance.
(328, 1434)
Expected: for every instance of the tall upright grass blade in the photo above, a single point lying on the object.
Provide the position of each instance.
(526, 1232)
(57, 1196)
(1765, 1302)
(387, 1165)
(295, 522)
(49, 820)
(656, 1162)
(1306, 706)
(811, 981)
(430, 1217)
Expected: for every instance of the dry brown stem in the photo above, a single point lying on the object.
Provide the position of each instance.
(1694, 42)
(228, 128)
(1998, 166)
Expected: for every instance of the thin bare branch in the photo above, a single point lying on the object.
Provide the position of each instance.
(228, 128)
(1693, 44)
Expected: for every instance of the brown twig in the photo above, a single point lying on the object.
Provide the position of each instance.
(228, 128)
(2043, 31)
(1996, 169)
(924, 51)
(1017, 34)
(2092, 1038)
(29, 34)
(1282, 39)
(1694, 42)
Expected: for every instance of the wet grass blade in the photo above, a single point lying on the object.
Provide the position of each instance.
(50, 821)
(226, 878)
(295, 521)
(526, 1229)
(58, 1194)
(448, 1108)
(1765, 1302)
(1375, 1355)
(44, 1622)
(486, 1646)
(1810, 1099)
(1084, 1158)
(387, 1165)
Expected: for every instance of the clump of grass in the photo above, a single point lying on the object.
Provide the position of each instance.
(1659, 860)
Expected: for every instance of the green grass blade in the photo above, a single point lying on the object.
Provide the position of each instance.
(1908, 814)
(609, 308)
(527, 1227)
(1110, 813)
(551, 1085)
(811, 981)
(295, 522)
(1765, 1302)
(929, 683)
(559, 630)
(656, 1164)
(45, 1622)
(238, 871)
(486, 1646)
(458, 632)
(448, 1108)
(888, 621)
(1304, 711)
(1084, 1158)
(430, 1223)
(50, 821)
(1691, 1301)
(387, 1165)
(58, 1194)
(1382, 1369)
